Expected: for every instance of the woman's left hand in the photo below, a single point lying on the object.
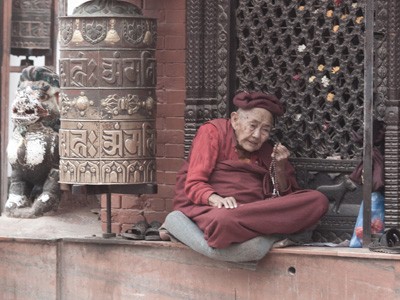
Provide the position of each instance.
(280, 153)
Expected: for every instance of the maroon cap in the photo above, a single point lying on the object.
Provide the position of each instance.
(248, 100)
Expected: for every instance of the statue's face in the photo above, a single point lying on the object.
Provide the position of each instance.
(34, 101)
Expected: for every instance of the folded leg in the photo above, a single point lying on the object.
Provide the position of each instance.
(288, 214)
(186, 231)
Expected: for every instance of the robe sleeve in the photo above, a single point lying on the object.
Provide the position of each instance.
(202, 161)
(290, 174)
(291, 180)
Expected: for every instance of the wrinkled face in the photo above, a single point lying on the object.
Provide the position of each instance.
(252, 127)
(34, 101)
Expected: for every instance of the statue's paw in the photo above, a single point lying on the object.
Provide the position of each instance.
(18, 206)
(16, 201)
(22, 213)
(44, 197)
(45, 202)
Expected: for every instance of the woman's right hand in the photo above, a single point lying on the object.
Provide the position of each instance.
(218, 201)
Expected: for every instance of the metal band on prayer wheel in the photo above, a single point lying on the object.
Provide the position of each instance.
(108, 106)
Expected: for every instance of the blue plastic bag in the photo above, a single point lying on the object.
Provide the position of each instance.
(377, 219)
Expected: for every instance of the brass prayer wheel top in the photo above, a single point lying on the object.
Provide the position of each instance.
(108, 23)
(107, 8)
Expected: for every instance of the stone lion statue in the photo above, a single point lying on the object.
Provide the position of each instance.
(33, 146)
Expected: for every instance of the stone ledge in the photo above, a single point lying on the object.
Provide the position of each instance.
(98, 268)
(363, 253)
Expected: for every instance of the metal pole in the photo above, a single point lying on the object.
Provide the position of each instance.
(109, 233)
(368, 118)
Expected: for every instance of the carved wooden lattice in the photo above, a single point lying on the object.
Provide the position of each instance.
(310, 54)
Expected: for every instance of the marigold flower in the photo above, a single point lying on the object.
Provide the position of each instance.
(335, 28)
(335, 70)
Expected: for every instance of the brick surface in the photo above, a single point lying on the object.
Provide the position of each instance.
(171, 56)
(176, 4)
(170, 136)
(155, 216)
(170, 177)
(175, 16)
(166, 191)
(125, 216)
(173, 29)
(174, 96)
(161, 123)
(174, 150)
(177, 83)
(174, 70)
(160, 150)
(169, 204)
(115, 200)
(131, 202)
(160, 176)
(170, 164)
(175, 123)
(160, 70)
(155, 204)
(170, 110)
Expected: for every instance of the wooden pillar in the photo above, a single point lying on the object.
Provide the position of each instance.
(5, 78)
(392, 119)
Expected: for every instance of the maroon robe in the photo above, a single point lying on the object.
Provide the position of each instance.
(214, 166)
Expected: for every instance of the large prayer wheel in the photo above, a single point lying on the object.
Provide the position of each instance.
(108, 103)
(31, 27)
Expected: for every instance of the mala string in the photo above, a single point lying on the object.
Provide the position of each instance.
(272, 174)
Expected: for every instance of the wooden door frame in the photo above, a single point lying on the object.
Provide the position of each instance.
(5, 18)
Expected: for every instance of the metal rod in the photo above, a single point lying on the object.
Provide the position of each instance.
(109, 233)
(368, 119)
(108, 212)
